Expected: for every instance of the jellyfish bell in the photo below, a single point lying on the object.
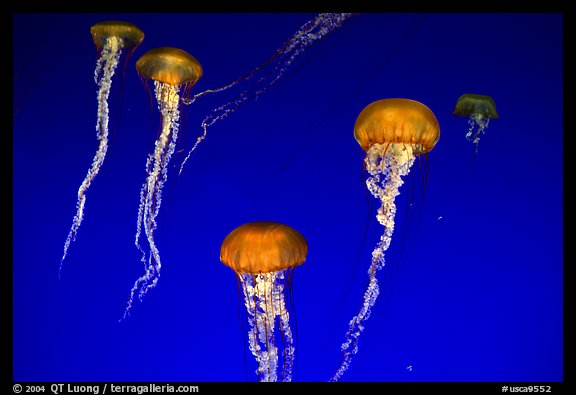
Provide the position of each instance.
(110, 38)
(174, 72)
(263, 254)
(263, 247)
(129, 33)
(470, 103)
(397, 121)
(393, 132)
(169, 65)
(479, 109)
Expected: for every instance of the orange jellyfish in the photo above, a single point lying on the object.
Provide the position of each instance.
(110, 39)
(263, 255)
(479, 109)
(393, 132)
(173, 71)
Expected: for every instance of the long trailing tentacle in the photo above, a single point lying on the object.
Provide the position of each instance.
(151, 193)
(386, 164)
(269, 72)
(105, 68)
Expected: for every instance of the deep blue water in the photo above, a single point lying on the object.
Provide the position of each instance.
(476, 294)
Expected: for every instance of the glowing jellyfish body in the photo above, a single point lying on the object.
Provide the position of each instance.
(262, 254)
(172, 70)
(392, 132)
(110, 39)
(479, 109)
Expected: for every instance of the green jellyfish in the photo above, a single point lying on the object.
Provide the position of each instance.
(479, 109)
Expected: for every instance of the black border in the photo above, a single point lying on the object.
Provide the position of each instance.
(462, 6)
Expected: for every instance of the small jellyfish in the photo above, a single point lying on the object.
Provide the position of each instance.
(393, 132)
(263, 255)
(173, 71)
(479, 109)
(110, 39)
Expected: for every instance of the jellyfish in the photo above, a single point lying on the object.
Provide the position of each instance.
(269, 72)
(393, 132)
(263, 256)
(110, 39)
(173, 71)
(479, 109)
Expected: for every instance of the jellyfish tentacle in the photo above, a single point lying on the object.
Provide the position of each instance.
(284, 325)
(386, 164)
(265, 328)
(264, 298)
(170, 101)
(151, 192)
(103, 73)
(270, 316)
(275, 67)
(477, 127)
(135, 287)
(250, 301)
(141, 209)
(287, 47)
